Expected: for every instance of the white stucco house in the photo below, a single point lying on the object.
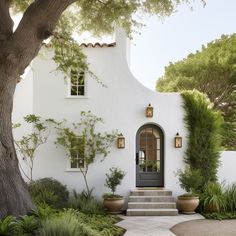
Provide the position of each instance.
(122, 105)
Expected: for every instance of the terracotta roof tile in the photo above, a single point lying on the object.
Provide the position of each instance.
(98, 45)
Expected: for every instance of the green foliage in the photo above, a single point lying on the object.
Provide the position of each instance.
(189, 195)
(230, 198)
(86, 141)
(43, 211)
(27, 225)
(220, 215)
(24, 226)
(49, 191)
(28, 144)
(65, 223)
(111, 195)
(190, 180)
(72, 223)
(85, 204)
(104, 224)
(211, 71)
(7, 226)
(68, 222)
(114, 178)
(68, 55)
(204, 126)
(213, 198)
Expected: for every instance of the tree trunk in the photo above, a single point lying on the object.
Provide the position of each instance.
(14, 197)
(17, 49)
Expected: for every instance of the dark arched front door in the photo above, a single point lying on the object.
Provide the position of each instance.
(150, 156)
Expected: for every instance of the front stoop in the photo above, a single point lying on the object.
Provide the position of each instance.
(151, 203)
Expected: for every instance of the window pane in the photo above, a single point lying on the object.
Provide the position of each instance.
(77, 153)
(80, 90)
(158, 144)
(81, 79)
(81, 163)
(156, 133)
(73, 163)
(73, 90)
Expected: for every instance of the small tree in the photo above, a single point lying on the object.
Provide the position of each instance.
(28, 144)
(114, 178)
(84, 139)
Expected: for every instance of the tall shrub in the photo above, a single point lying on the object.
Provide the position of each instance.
(204, 126)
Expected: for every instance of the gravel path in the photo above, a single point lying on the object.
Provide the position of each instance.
(205, 228)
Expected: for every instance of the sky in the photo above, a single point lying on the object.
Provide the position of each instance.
(174, 38)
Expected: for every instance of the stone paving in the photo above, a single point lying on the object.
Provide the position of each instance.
(153, 225)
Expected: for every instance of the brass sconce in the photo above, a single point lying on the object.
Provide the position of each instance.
(120, 141)
(178, 141)
(149, 111)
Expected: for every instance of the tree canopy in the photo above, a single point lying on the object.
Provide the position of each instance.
(213, 72)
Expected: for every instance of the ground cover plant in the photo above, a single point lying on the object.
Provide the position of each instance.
(85, 204)
(86, 217)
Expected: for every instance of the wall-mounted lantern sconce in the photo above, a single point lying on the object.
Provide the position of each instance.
(121, 141)
(178, 141)
(149, 111)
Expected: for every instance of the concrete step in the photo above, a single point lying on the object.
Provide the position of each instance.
(152, 212)
(151, 193)
(151, 205)
(151, 199)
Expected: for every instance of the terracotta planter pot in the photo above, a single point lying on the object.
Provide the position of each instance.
(113, 205)
(187, 205)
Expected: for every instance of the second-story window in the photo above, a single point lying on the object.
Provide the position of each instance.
(77, 84)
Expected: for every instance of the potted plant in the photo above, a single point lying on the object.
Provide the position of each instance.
(113, 202)
(191, 181)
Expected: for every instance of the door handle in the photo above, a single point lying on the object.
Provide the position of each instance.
(137, 159)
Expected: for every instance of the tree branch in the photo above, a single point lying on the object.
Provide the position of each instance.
(37, 24)
(6, 23)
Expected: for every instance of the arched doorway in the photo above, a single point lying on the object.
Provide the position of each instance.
(150, 156)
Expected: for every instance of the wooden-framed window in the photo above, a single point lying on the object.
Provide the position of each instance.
(77, 84)
(77, 155)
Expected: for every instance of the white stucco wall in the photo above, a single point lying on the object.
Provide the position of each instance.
(227, 171)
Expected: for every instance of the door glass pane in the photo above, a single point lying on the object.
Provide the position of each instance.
(149, 150)
(156, 134)
(158, 143)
